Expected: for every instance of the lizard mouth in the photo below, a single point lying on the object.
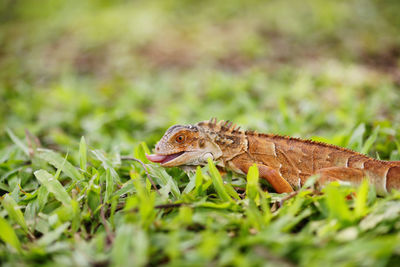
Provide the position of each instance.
(162, 159)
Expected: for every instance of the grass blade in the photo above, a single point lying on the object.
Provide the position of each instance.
(191, 185)
(109, 186)
(126, 188)
(53, 186)
(83, 154)
(52, 236)
(17, 141)
(252, 182)
(231, 191)
(140, 152)
(7, 234)
(146, 200)
(217, 181)
(164, 179)
(370, 141)
(360, 208)
(356, 138)
(199, 181)
(337, 205)
(59, 162)
(107, 164)
(121, 252)
(14, 212)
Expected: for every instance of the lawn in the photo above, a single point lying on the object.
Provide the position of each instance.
(87, 85)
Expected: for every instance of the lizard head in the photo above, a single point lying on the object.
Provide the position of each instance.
(185, 145)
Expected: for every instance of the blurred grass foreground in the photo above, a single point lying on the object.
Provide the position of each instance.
(120, 72)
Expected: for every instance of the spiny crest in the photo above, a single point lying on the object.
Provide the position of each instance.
(304, 141)
(213, 120)
(252, 132)
(223, 126)
(224, 133)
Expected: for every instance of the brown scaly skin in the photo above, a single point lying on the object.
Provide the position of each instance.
(286, 163)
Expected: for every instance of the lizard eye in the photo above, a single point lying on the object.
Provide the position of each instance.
(180, 139)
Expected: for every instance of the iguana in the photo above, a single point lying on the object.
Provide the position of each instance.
(285, 162)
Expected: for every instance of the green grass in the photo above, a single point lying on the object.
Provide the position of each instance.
(85, 85)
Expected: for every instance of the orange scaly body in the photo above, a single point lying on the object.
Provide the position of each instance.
(285, 162)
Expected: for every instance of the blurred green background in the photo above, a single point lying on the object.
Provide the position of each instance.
(120, 72)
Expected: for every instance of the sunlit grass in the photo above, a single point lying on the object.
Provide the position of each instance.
(87, 86)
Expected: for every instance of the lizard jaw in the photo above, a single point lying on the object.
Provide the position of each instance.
(163, 159)
(189, 157)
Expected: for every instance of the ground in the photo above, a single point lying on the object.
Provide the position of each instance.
(85, 84)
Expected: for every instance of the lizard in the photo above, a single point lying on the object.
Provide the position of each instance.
(285, 162)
